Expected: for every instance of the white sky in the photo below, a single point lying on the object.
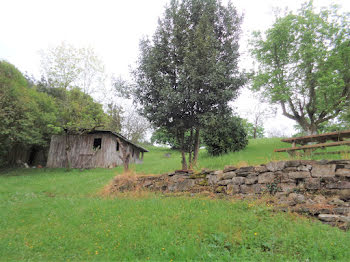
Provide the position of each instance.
(114, 28)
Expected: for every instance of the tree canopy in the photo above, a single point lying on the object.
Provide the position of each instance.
(189, 69)
(28, 118)
(65, 66)
(304, 65)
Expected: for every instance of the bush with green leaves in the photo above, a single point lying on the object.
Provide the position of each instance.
(223, 135)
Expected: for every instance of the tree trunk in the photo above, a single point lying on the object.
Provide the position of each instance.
(183, 155)
(254, 133)
(183, 161)
(190, 149)
(310, 129)
(125, 157)
(196, 146)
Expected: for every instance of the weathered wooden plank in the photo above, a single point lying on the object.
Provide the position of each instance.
(333, 152)
(332, 136)
(312, 146)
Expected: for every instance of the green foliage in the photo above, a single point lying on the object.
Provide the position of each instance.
(164, 137)
(223, 135)
(114, 117)
(189, 69)
(30, 114)
(304, 62)
(252, 130)
(36, 224)
(27, 117)
(80, 112)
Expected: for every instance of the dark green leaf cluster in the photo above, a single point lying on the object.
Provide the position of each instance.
(223, 135)
(190, 67)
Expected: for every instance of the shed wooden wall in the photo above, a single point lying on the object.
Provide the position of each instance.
(82, 154)
(20, 154)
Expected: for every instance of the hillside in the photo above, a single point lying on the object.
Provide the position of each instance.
(54, 215)
(258, 151)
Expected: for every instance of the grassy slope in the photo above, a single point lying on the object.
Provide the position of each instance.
(56, 215)
(258, 151)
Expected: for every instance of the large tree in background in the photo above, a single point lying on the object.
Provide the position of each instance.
(134, 126)
(304, 65)
(189, 69)
(65, 66)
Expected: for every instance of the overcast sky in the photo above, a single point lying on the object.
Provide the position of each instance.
(114, 28)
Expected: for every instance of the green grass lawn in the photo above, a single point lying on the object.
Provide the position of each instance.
(258, 151)
(54, 215)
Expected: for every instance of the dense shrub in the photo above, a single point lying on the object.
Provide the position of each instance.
(223, 135)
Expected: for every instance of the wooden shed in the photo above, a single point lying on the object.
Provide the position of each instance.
(98, 148)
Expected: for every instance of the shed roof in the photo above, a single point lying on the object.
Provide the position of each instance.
(120, 136)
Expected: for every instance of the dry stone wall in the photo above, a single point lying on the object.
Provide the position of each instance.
(317, 188)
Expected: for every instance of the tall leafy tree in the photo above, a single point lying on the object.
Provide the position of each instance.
(189, 69)
(65, 66)
(304, 65)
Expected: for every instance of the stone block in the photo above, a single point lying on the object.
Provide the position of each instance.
(183, 185)
(224, 182)
(290, 169)
(344, 194)
(265, 178)
(220, 177)
(260, 169)
(245, 174)
(238, 180)
(343, 172)
(229, 168)
(297, 198)
(293, 163)
(213, 179)
(287, 187)
(276, 166)
(251, 189)
(245, 171)
(176, 178)
(217, 172)
(299, 174)
(304, 168)
(251, 179)
(323, 170)
(232, 189)
(228, 175)
(342, 211)
(313, 183)
(339, 185)
(329, 217)
(284, 177)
